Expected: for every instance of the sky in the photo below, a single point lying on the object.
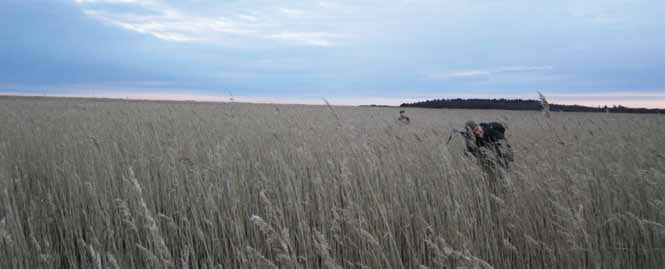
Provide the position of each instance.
(591, 52)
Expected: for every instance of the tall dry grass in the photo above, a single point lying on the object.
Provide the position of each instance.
(113, 184)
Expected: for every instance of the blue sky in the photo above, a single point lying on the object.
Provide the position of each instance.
(348, 51)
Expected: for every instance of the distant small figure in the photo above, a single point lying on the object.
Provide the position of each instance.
(403, 118)
(487, 142)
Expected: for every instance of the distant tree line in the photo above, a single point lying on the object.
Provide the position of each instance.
(519, 104)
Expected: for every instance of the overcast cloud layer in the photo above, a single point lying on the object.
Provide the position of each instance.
(399, 50)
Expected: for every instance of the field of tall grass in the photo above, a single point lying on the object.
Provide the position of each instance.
(118, 184)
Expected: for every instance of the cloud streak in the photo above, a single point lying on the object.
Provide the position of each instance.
(166, 22)
(471, 74)
(319, 39)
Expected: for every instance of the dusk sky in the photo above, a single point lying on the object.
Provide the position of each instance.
(347, 51)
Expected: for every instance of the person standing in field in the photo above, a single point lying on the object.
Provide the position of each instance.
(487, 142)
(403, 118)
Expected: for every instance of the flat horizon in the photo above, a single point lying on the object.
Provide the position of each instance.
(339, 101)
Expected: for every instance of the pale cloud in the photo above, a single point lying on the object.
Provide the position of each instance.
(319, 39)
(605, 12)
(248, 17)
(166, 22)
(172, 25)
(109, 1)
(469, 74)
(291, 12)
(614, 12)
(258, 20)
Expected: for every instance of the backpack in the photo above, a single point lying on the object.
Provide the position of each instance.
(496, 133)
(494, 130)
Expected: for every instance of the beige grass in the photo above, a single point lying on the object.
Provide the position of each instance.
(114, 184)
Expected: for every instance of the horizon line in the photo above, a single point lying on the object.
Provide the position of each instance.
(558, 99)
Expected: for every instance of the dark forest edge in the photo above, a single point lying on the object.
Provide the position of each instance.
(519, 104)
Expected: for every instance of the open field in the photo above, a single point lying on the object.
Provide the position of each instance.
(116, 184)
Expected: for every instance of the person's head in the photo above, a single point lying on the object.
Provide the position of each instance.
(401, 112)
(475, 129)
